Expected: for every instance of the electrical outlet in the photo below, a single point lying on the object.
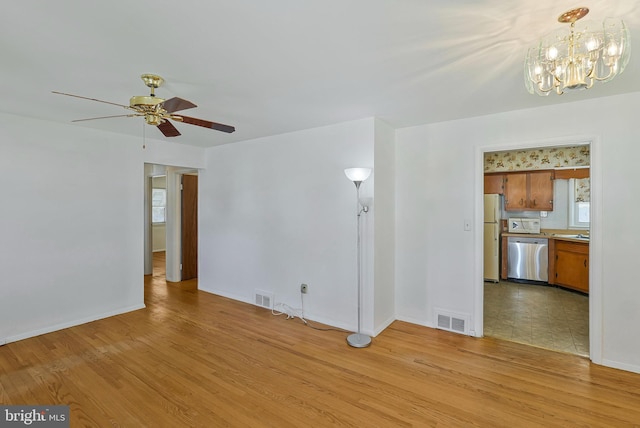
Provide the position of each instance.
(304, 288)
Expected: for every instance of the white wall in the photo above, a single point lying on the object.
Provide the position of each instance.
(71, 217)
(72, 224)
(278, 211)
(384, 229)
(439, 173)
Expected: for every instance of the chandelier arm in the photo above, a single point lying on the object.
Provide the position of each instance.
(539, 84)
(611, 73)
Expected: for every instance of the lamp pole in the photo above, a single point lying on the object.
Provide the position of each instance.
(358, 175)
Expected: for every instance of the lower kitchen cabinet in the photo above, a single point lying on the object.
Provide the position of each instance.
(572, 265)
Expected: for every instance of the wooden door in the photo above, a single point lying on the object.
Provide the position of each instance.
(189, 227)
(541, 190)
(515, 191)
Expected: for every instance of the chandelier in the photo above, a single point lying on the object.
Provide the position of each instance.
(572, 61)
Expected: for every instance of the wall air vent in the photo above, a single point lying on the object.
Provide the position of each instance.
(263, 299)
(451, 321)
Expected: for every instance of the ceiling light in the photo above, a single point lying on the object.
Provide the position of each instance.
(574, 60)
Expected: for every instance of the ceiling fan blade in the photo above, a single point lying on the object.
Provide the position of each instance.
(168, 129)
(207, 124)
(105, 117)
(90, 99)
(177, 104)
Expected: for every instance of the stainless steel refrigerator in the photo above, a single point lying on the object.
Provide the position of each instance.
(492, 210)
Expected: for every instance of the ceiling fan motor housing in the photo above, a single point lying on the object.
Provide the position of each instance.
(142, 101)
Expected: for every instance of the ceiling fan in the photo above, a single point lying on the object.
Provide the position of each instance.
(158, 111)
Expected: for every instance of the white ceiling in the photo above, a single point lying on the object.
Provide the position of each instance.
(271, 67)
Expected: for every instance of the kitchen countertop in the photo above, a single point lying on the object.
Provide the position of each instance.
(554, 234)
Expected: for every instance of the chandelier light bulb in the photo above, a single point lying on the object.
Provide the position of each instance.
(592, 44)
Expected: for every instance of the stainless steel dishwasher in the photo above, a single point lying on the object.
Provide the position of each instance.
(528, 258)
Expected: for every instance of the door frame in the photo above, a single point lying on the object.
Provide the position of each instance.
(595, 241)
(173, 220)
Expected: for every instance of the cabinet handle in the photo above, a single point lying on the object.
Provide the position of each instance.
(585, 262)
(521, 201)
(534, 202)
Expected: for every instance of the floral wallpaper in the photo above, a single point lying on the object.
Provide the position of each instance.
(583, 190)
(544, 158)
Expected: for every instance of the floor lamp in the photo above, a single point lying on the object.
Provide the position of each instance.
(358, 175)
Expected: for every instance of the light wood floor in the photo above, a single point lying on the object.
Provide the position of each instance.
(195, 359)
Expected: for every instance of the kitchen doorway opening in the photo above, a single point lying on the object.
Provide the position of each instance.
(552, 308)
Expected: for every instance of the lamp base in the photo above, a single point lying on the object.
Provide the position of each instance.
(358, 340)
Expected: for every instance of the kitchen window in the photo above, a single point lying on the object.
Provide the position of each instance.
(579, 203)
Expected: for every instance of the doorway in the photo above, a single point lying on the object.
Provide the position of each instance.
(540, 314)
(181, 236)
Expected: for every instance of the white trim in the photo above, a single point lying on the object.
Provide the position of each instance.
(622, 366)
(595, 244)
(310, 317)
(596, 300)
(561, 168)
(62, 326)
(383, 326)
(415, 321)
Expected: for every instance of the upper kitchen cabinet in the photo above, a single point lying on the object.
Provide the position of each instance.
(494, 184)
(529, 191)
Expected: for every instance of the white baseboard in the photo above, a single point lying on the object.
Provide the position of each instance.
(383, 326)
(225, 294)
(621, 366)
(68, 324)
(416, 321)
(308, 316)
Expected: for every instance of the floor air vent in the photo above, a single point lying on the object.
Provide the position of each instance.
(264, 299)
(457, 323)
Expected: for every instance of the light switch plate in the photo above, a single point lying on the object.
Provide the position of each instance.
(467, 225)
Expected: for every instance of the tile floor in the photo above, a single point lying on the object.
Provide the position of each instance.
(538, 315)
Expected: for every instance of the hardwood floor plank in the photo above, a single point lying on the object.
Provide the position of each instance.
(195, 359)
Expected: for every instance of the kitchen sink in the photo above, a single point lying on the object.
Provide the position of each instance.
(577, 236)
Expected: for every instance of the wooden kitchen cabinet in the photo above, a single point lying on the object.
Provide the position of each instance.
(529, 191)
(494, 184)
(572, 265)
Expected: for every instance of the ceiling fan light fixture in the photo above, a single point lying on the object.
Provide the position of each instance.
(567, 61)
